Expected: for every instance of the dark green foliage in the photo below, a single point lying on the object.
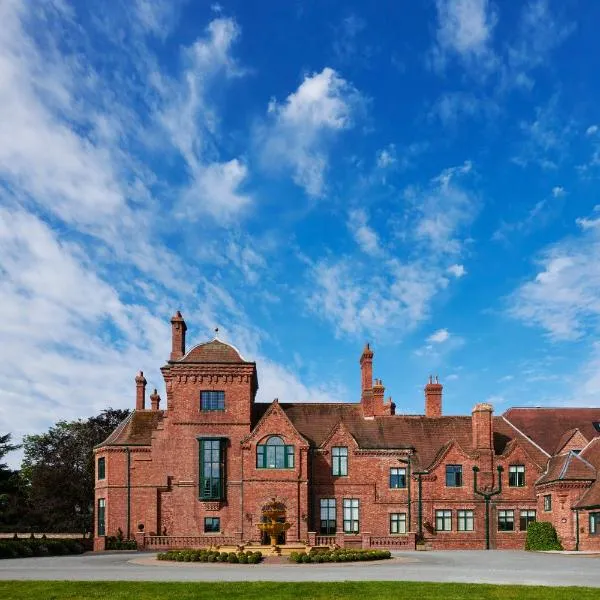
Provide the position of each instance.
(62, 459)
(247, 557)
(27, 547)
(116, 543)
(321, 555)
(541, 535)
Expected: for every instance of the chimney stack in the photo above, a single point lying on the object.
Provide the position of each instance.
(140, 391)
(481, 422)
(433, 398)
(366, 372)
(154, 400)
(178, 329)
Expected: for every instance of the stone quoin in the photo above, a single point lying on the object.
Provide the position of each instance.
(196, 469)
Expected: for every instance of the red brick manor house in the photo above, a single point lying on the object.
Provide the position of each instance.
(202, 466)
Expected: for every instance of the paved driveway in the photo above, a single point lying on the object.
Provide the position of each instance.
(463, 566)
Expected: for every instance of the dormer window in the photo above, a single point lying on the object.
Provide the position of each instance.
(212, 400)
(274, 454)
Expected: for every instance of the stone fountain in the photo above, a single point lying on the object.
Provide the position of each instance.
(272, 511)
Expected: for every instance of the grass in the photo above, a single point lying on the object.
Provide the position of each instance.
(374, 590)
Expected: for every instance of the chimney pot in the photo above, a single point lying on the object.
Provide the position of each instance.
(155, 400)
(140, 391)
(178, 329)
(433, 398)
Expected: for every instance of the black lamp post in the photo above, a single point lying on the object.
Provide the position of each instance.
(487, 495)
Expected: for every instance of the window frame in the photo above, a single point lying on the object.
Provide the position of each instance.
(352, 505)
(399, 478)
(212, 494)
(547, 502)
(464, 518)
(101, 468)
(594, 523)
(400, 521)
(504, 518)
(287, 451)
(443, 516)
(457, 473)
(527, 517)
(339, 461)
(212, 530)
(328, 505)
(101, 517)
(216, 404)
(518, 482)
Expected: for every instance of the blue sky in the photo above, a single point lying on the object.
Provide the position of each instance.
(306, 176)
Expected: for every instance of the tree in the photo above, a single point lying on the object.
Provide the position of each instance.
(11, 490)
(59, 469)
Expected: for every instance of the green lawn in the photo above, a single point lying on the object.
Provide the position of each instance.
(373, 590)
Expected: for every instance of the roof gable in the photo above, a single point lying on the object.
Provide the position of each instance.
(546, 426)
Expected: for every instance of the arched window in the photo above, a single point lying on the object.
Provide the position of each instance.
(274, 454)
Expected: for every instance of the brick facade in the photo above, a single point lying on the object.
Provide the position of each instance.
(385, 479)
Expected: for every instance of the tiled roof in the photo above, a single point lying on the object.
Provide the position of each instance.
(427, 435)
(214, 351)
(135, 430)
(564, 438)
(591, 499)
(569, 466)
(591, 452)
(546, 426)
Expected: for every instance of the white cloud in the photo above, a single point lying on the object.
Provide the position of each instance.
(564, 296)
(451, 107)
(457, 270)
(215, 190)
(365, 236)
(439, 336)
(192, 122)
(386, 157)
(300, 128)
(591, 130)
(385, 294)
(538, 33)
(464, 31)
(444, 209)
(558, 191)
(545, 137)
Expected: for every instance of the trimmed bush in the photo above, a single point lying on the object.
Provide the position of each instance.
(321, 555)
(117, 543)
(541, 535)
(247, 557)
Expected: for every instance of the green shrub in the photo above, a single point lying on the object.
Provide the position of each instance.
(541, 535)
(321, 555)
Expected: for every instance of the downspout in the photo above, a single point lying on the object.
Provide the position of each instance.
(577, 529)
(409, 494)
(420, 506)
(242, 494)
(128, 451)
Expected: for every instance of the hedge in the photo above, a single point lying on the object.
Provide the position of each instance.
(115, 543)
(341, 555)
(541, 535)
(25, 548)
(245, 558)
